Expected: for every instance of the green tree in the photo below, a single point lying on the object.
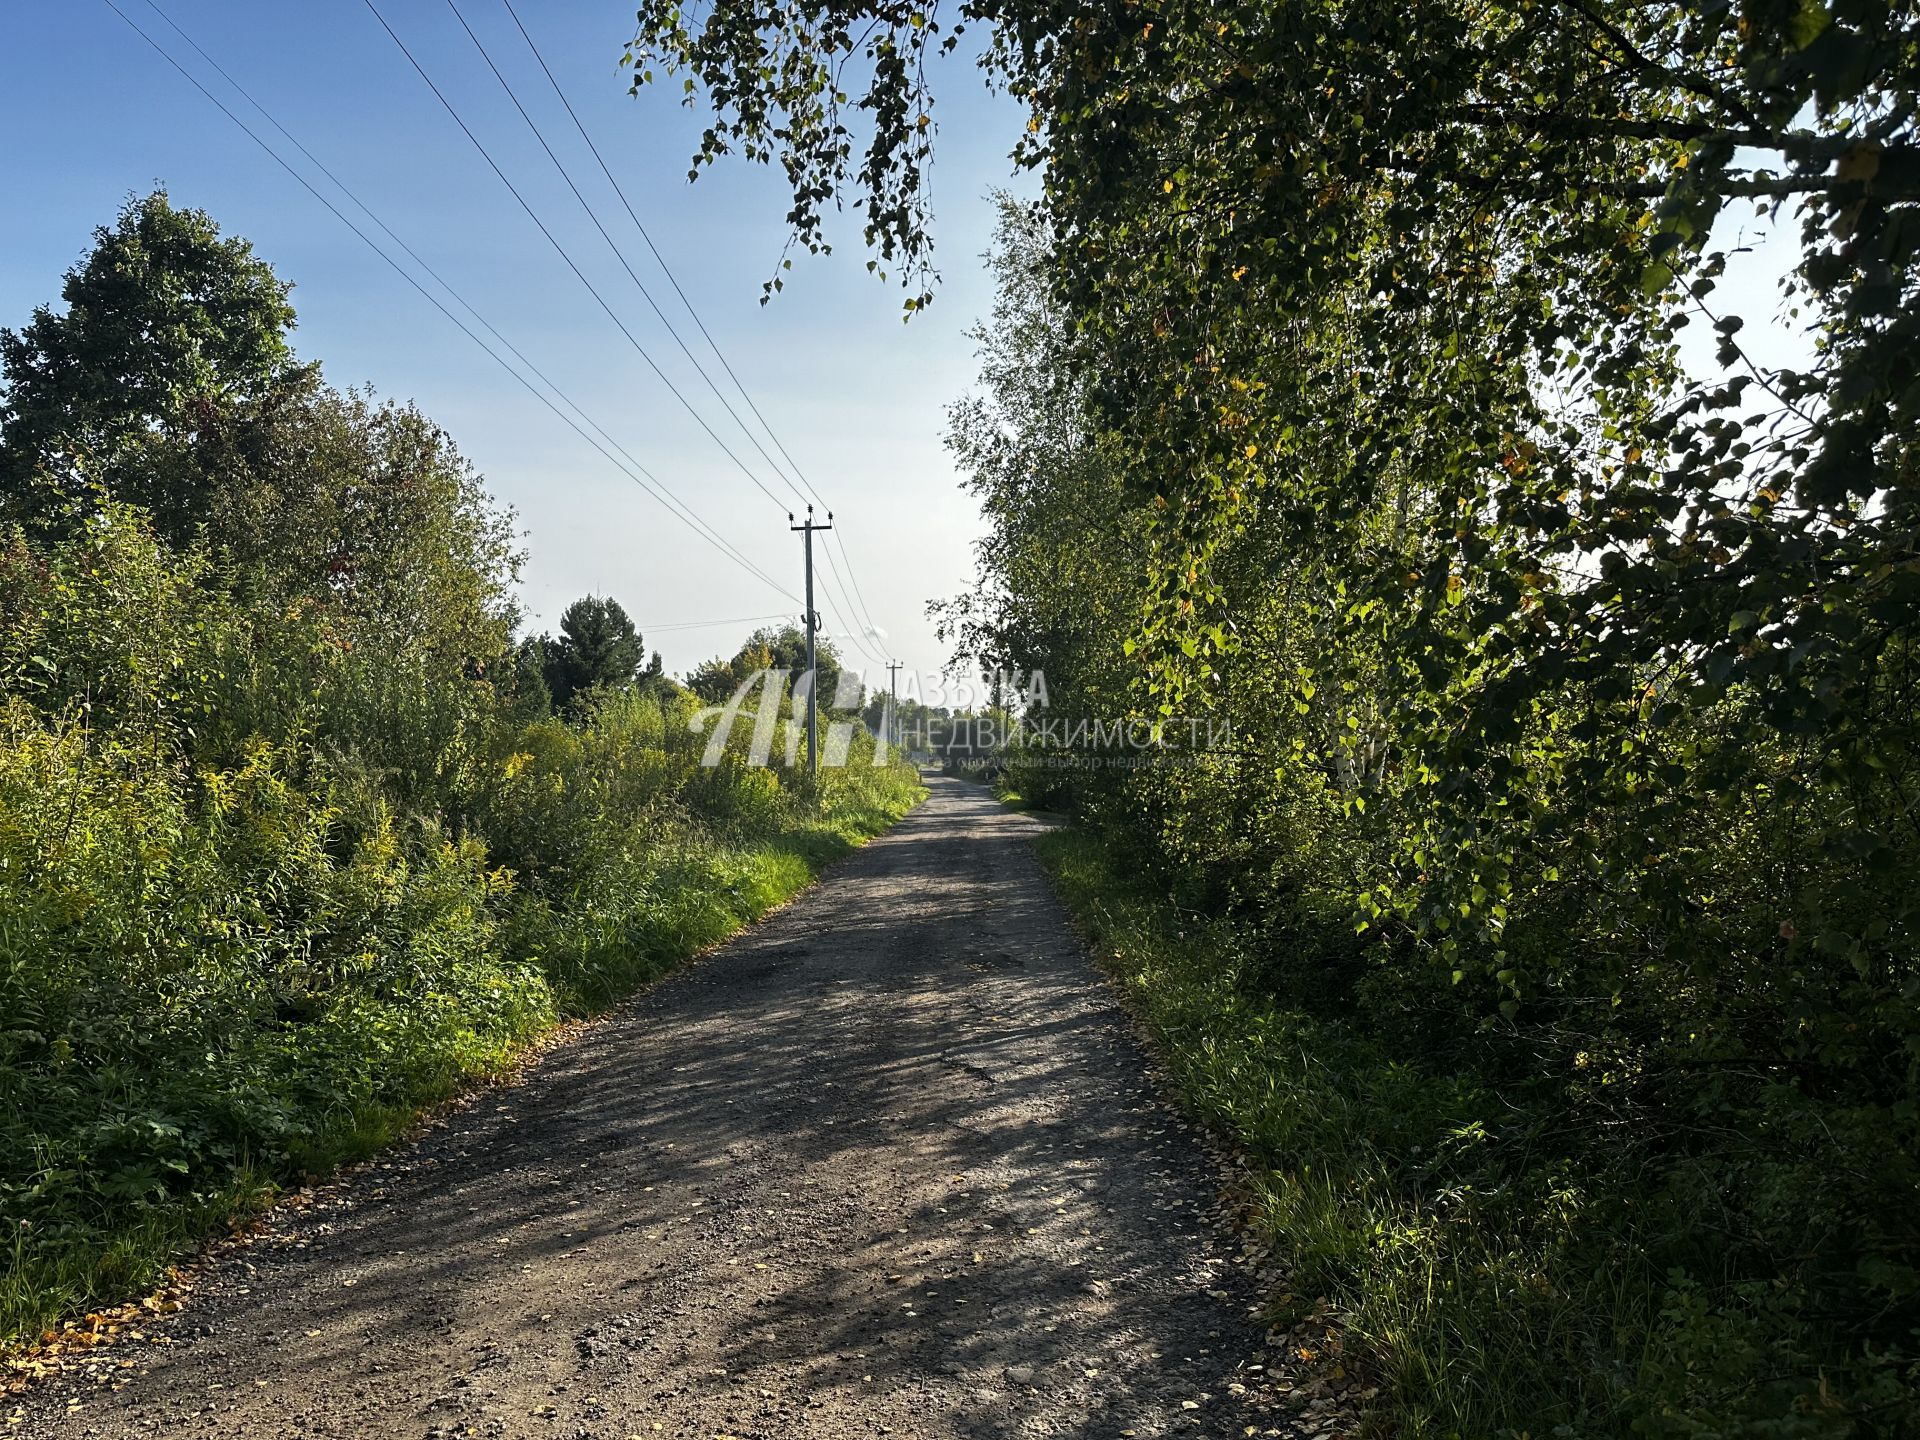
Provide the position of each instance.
(365, 510)
(713, 680)
(781, 647)
(597, 648)
(527, 671)
(167, 383)
(168, 328)
(768, 648)
(785, 647)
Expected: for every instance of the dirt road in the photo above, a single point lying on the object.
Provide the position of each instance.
(886, 1165)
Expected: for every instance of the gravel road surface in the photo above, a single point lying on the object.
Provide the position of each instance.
(888, 1164)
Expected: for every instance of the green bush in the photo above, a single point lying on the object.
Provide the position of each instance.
(224, 963)
(290, 844)
(1496, 1276)
(1568, 988)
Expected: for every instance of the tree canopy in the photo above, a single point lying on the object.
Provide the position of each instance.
(168, 327)
(168, 384)
(782, 647)
(1404, 285)
(597, 649)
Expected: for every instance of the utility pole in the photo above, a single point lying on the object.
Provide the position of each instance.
(813, 622)
(893, 701)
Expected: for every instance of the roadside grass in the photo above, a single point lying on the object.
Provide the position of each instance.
(1479, 1303)
(41, 1289)
(655, 907)
(1022, 802)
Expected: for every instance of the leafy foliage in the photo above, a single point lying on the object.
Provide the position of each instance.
(781, 647)
(597, 648)
(167, 327)
(1675, 1017)
(291, 841)
(1570, 684)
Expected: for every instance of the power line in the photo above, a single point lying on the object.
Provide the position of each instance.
(613, 245)
(848, 618)
(561, 250)
(666, 269)
(672, 503)
(854, 580)
(668, 499)
(637, 473)
(810, 493)
(644, 478)
(711, 624)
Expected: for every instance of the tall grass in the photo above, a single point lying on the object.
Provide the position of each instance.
(146, 1105)
(1494, 1286)
(248, 929)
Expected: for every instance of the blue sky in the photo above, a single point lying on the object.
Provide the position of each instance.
(90, 115)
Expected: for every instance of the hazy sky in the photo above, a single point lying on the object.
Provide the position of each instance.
(90, 115)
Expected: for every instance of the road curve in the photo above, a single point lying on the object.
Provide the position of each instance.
(890, 1163)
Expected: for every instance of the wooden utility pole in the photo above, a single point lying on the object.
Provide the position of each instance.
(813, 622)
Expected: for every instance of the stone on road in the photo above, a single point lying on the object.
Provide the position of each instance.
(890, 1163)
